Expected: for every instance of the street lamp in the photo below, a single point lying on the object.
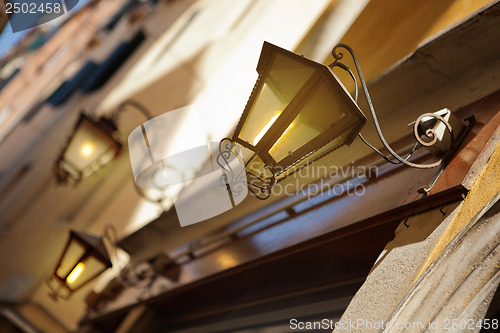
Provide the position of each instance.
(84, 257)
(91, 146)
(299, 111)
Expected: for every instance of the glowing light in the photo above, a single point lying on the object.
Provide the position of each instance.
(75, 273)
(87, 150)
(282, 135)
(266, 128)
(226, 260)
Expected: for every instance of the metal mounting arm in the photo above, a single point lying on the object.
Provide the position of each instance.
(430, 133)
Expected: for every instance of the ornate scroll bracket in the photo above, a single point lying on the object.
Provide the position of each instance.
(430, 133)
(235, 181)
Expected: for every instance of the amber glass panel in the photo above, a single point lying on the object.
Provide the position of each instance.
(83, 273)
(87, 145)
(71, 256)
(323, 109)
(284, 79)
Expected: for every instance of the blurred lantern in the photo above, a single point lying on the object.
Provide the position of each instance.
(83, 259)
(89, 148)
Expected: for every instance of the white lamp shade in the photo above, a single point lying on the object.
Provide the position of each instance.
(210, 193)
(157, 148)
(170, 153)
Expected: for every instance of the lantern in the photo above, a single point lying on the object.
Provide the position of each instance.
(90, 148)
(83, 259)
(297, 113)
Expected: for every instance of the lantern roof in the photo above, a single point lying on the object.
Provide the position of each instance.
(95, 244)
(268, 51)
